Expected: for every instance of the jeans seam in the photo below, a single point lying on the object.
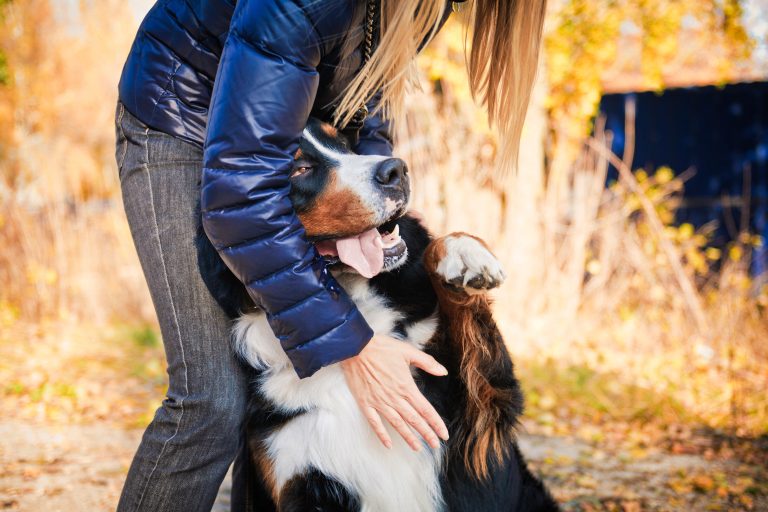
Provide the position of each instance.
(120, 116)
(175, 320)
(172, 163)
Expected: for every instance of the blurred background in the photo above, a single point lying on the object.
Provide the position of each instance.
(636, 307)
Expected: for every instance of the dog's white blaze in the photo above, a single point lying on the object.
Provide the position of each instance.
(333, 436)
(354, 172)
(467, 258)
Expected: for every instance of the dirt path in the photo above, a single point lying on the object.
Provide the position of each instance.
(585, 478)
(81, 468)
(67, 468)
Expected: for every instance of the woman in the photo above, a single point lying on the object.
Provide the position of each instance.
(213, 100)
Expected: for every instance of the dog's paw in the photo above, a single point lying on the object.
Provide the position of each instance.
(468, 264)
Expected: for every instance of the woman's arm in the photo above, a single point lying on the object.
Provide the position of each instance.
(263, 94)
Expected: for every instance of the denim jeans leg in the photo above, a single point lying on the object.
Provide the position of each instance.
(196, 433)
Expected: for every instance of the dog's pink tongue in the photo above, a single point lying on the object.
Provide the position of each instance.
(362, 252)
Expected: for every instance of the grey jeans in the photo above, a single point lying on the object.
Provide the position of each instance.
(196, 433)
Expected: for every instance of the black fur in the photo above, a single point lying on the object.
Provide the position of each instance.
(408, 286)
(315, 492)
(222, 284)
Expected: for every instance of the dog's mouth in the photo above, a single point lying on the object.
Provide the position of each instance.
(394, 249)
(369, 253)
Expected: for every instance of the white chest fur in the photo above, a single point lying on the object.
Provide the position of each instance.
(333, 436)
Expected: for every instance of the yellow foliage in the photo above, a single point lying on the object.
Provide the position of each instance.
(582, 45)
(38, 274)
(735, 253)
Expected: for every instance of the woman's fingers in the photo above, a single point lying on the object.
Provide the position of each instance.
(418, 422)
(399, 424)
(374, 420)
(426, 362)
(422, 406)
(428, 412)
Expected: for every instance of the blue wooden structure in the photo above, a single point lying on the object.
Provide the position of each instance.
(719, 132)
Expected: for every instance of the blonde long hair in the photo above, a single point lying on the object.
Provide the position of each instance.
(501, 61)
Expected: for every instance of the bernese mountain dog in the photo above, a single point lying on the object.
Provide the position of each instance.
(311, 447)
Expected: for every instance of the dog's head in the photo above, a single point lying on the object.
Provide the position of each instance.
(348, 203)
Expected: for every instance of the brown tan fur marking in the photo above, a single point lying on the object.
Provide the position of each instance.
(329, 130)
(337, 211)
(265, 466)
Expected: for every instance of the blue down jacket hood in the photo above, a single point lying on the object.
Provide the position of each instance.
(240, 79)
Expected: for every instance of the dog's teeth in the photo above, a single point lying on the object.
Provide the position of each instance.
(396, 231)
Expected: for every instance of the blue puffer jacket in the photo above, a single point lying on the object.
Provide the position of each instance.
(241, 81)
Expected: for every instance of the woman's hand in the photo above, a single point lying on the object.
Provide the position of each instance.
(380, 380)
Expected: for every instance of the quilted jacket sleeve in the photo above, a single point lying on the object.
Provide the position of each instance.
(263, 94)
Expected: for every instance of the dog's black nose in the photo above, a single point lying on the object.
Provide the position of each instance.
(390, 172)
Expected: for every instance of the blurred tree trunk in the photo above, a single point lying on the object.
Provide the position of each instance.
(25, 30)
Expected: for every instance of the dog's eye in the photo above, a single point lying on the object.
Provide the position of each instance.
(300, 170)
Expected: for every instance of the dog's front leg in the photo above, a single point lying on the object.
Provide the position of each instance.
(462, 269)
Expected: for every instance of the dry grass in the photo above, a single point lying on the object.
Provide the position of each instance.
(69, 262)
(66, 250)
